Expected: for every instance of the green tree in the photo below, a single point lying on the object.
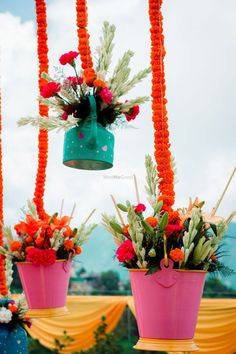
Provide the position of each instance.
(109, 280)
(214, 288)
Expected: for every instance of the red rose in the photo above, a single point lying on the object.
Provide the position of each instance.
(125, 251)
(132, 114)
(41, 257)
(139, 208)
(68, 58)
(50, 89)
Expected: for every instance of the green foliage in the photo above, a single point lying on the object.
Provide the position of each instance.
(214, 288)
(110, 280)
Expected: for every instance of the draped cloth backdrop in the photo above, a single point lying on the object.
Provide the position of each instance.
(215, 333)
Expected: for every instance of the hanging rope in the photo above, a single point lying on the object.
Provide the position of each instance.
(159, 115)
(3, 283)
(41, 18)
(84, 47)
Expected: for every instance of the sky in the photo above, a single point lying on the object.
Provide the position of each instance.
(200, 40)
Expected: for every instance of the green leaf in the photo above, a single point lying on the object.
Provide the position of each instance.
(214, 228)
(122, 207)
(147, 228)
(153, 269)
(116, 227)
(164, 221)
(158, 207)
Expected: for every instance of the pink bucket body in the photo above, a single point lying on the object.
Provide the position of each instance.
(45, 286)
(167, 302)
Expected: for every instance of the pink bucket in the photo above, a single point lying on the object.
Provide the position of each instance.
(167, 302)
(45, 287)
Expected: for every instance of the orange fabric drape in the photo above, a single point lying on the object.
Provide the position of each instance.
(215, 333)
(41, 17)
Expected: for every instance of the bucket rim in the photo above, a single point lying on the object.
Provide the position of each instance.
(57, 261)
(177, 270)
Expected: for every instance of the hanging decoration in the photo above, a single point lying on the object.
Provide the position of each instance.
(159, 116)
(88, 104)
(42, 50)
(3, 282)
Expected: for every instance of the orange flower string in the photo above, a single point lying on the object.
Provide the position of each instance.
(3, 284)
(84, 47)
(159, 117)
(43, 110)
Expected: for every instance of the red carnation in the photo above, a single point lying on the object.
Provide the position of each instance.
(68, 58)
(172, 228)
(75, 80)
(125, 251)
(41, 257)
(139, 208)
(50, 89)
(132, 114)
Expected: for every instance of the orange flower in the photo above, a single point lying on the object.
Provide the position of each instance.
(30, 227)
(160, 120)
(43, 110)
(69, 244)
(13, 308)
(99, 83)
(125, 230)
(59, 224)
(152, 221)
(68, 232)
(78, 250)
(15, 246)
(213, 258)
(176, 255)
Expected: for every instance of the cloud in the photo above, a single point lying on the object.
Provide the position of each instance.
(200, 74)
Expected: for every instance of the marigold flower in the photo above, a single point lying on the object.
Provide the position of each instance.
(213, 258)
(99, 83)
(13, 308)
(68, 58)
(15, 246)
(139, 208)
(125, 252)
(50, 89)
(152, 221)
(69, 244)
(78, 250)
(177, 255)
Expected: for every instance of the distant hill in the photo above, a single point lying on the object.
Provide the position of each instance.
(98, 254)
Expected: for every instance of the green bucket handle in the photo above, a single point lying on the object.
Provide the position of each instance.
(92, 141)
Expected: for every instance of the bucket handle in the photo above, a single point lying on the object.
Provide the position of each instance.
(92, 141)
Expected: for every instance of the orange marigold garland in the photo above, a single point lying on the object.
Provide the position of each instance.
(43, 110)
(160, 119)
(3, 283)
(84, 47)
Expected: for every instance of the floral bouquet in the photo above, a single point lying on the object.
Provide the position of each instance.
(189, 237)
(67, 96)
(12, 312)
(43, 241)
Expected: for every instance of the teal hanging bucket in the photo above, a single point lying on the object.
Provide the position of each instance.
(89, 146)
(13, 340)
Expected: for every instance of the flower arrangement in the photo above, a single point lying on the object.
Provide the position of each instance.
(13, 312)
(67, 96)
(42, 241)
(188, 236)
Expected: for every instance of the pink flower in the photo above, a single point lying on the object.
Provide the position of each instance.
(132, 114)
(41, 257)
(75, 81)
(106, 95)
(139, 208)
(50, 89)
(125, 251)
(68, 58)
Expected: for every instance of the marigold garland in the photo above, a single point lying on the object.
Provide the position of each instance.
(3, 283)
(159, 117)
(84, 47)
(43, 110)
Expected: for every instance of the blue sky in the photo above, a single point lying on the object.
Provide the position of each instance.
(22, 8)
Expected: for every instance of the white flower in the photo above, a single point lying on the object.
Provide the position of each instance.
(5, 315)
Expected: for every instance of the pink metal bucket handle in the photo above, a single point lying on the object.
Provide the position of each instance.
(167, 276)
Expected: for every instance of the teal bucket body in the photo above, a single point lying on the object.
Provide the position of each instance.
(89, 146)
(13, 340)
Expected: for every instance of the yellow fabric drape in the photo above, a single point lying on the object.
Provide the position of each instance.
(85, 313)
(215, 333)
